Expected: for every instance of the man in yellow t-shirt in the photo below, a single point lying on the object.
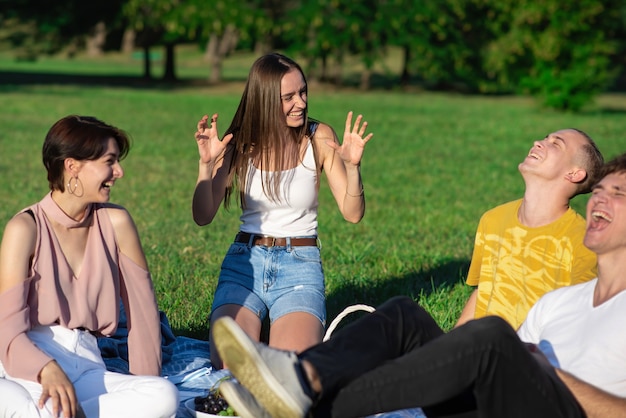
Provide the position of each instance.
(530, 246)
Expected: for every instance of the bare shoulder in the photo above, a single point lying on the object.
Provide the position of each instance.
(120, 217)
(126, 234)
(324, 132)
(16, 250)
(21, 225)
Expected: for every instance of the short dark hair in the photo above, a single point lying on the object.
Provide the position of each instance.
(592, 161)
(616, 166)
(81, 138)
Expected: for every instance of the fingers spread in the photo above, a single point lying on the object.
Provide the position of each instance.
(356, 123)
(349, 121)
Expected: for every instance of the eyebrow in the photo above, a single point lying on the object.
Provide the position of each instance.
(618, 187)
(111, 154)
(557, 137)
(301, 89)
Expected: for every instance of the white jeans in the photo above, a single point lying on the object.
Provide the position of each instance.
(100, 393)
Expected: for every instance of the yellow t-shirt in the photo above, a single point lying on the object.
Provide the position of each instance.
(514, 265)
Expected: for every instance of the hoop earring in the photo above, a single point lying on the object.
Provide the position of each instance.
(76, 188)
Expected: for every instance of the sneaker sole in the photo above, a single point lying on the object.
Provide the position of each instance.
(230, 393)
(245, 363)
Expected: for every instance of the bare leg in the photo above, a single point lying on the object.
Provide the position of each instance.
(296, 331)
(244, 317)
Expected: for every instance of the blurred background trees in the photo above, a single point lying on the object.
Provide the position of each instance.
(563, 53)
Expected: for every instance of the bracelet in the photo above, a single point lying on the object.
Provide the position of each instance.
(357, 195)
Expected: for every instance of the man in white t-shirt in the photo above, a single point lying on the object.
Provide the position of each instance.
(567, 360)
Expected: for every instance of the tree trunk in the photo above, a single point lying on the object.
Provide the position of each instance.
(324, 69)
(366, 77)
(214, 59)
(96, 39)
(128, 41)
(405, 77)
(336, 77)
(147, 69)
(170, 62)
(211, 47)
(217, 49)
(229, 40)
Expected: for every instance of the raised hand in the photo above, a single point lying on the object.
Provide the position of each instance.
(351, 149)
(210, 146)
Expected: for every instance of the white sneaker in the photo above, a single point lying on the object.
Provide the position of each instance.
(274, 377)
(242, 401)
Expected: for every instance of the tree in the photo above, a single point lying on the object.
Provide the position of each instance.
(319, 32)
(216, 26)
(560, 52)
(159, 22)
(56, 24)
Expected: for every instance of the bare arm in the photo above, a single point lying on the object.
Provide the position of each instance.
(127, 235)
(341, 162)
(210, 189)
(212, 171)
(469, 310)
(18, 245)
(595, 402)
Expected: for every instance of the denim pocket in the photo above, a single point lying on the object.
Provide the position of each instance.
(237, 248)
(309, 254)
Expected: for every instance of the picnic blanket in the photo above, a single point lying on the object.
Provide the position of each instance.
(186, 363)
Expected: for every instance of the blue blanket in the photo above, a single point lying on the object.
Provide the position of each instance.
(186, 363)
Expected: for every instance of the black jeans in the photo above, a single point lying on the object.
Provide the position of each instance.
(399, 358)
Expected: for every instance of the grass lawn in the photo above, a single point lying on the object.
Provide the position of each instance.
(435, 164)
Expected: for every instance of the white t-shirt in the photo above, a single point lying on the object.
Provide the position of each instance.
(589, 342)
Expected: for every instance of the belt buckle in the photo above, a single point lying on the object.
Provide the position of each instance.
(273, 242)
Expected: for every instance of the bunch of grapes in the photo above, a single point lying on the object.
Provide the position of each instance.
(214, 404)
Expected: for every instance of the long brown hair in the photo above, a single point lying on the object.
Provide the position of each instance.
(259, 129)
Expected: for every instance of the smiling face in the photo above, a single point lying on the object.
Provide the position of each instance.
(555, 156)
(293, 96)
(99, 175)
(606, 215)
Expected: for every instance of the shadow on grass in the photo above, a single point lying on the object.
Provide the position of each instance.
(424, 282)
(14, 80)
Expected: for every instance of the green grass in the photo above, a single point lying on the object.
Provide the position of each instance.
(435, 164)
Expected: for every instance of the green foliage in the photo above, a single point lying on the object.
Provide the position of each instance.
(55, 24)
(567, 88)
(558, 51)
(563, 53)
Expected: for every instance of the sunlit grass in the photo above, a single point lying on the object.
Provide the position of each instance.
(435, 164)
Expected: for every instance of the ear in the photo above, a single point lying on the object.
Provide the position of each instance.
(576, 175)
(72, 166)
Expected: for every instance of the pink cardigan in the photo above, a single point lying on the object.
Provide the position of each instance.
(53, 295)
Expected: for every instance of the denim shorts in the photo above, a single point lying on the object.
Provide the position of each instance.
(272, 280)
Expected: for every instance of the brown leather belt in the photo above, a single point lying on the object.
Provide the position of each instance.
(245, 238)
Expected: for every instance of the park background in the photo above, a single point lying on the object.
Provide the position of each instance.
(455, 92)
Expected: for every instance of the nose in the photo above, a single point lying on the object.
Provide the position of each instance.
(598, 196)
(300, 99)
(118, 171)
(539, 144)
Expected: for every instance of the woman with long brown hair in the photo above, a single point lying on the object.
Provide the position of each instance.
(271, 157)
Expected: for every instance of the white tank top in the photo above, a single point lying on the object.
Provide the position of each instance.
(295, 215)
